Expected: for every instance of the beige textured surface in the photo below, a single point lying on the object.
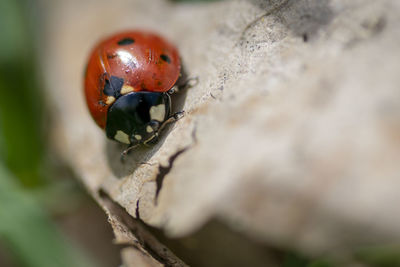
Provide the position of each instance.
(292, 134)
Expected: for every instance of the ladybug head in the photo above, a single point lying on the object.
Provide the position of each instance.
(136, 118)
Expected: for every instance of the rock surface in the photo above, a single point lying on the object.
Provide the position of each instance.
(291, 136)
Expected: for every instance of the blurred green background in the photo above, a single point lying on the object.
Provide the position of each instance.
(36, 202)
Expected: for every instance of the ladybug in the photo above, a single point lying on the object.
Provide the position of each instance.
(128, 82)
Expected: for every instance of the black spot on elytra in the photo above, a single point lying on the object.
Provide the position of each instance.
(165, 58)
(112, 86)
(126, 41)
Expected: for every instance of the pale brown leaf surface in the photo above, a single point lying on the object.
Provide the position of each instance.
(292, 135)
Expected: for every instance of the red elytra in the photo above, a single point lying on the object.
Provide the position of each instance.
(144, 61)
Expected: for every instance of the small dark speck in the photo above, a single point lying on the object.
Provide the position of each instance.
(375, 25)
(126, 41)
(305, 37)
(144, 87)
(111, 56)
(165, 58)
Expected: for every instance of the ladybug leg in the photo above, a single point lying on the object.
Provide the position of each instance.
(173, 118)
(189, 83)
(126, 151)
(173, 90)
(146, 143)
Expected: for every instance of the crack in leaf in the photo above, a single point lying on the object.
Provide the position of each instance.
(163, 171)
(139, 229)
(137, 214)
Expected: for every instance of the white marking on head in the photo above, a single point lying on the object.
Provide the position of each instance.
(110, 100)
(122, 137)
(157, 112)
(138, 137)
(126, 89)
(149, 129)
